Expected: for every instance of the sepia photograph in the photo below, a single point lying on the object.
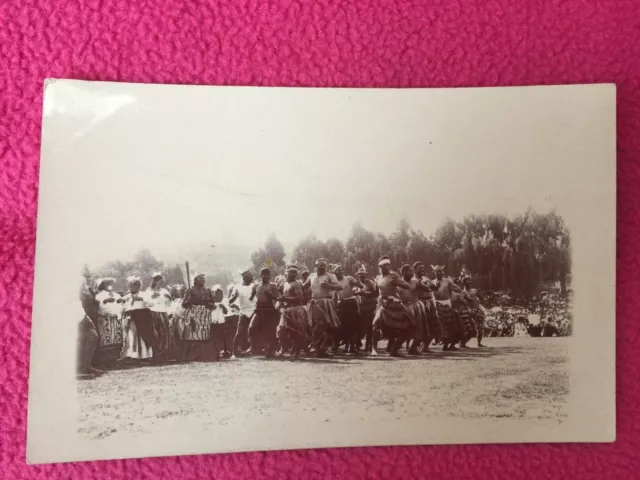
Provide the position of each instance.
(228, 269)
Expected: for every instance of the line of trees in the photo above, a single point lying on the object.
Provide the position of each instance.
(503, 253)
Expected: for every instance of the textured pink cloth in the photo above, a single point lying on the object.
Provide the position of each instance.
(375, 43)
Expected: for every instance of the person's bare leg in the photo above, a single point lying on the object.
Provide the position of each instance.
(426, 344)
(375, 338)
(479, 337)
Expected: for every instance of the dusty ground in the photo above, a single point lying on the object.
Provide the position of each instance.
(516, 378)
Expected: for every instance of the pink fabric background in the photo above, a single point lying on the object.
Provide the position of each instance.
(354, 43)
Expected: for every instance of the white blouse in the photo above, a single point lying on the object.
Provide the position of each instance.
(160, 303)
(109, 308)
(130, 304)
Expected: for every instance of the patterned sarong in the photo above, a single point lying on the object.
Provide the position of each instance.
(465, 318)
(478, 318)
(109, 329)
(322, 312)
(419, 315)
(164, 341)
(294, 320)
(197, 321)
(392, 315)
(436, 330)
(451, 330)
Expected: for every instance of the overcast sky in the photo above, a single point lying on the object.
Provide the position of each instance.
(160, 168)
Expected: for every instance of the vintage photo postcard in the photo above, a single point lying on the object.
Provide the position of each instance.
(224, 269)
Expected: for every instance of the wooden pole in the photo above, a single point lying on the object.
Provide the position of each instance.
(188, 276)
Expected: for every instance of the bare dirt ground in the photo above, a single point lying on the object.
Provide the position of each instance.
(517, 378)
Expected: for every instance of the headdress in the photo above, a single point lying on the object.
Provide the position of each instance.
(384, 260)
(404, 268)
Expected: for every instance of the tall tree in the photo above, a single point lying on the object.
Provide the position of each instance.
(271, 256)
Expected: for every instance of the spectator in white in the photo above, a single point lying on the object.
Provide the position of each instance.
(242, 303)
(109, 324)
(137, 323)
(218, 322)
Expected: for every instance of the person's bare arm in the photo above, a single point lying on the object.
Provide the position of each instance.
(233, 297)
(455, 288)
(356, 283)
(399, 282)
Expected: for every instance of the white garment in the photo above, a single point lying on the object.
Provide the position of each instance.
(130, 304)
(217, 315)
(247, 307)
(109, 308)
(161, 302)
(444, 302)
(520, 330)
(176, 309)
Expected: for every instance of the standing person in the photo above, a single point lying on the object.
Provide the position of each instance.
(322, 308)
(348, 312)
(198, 303)
(465, 312)
(137, 324)
(176, 319)
(88, 297)
(478, 315)
(159, 300)
(444, 287)
(109, 322)
(87, 342)
(263, 326)
(391, 319)
(293, 329)
(306, 291)
(367, 296)
(414, 307)
(422, 284)
(242, 303)
(218, 323)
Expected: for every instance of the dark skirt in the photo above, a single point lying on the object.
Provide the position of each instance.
(465, 319)
(449, 321)
(263, 327)
(144, 325)
(419, 315)
(436, 330)
(164, 339)
(392, 318)
(294, 320)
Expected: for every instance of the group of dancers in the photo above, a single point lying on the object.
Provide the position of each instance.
(320, 314)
